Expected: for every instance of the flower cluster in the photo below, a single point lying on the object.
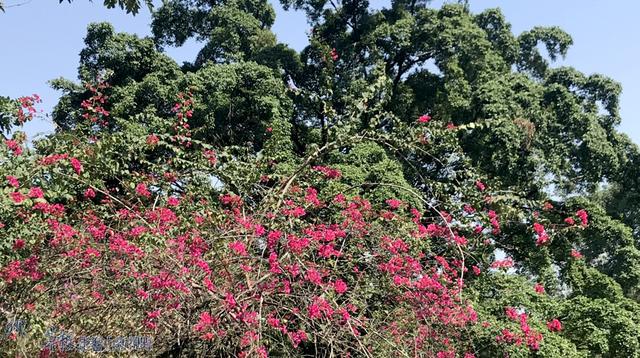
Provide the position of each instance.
(26, 109)
(264, 268)
(94, 107)
(183, 110)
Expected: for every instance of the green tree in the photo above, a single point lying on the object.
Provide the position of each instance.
(442, 113)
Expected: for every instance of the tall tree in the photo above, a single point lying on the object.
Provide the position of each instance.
(416, 181)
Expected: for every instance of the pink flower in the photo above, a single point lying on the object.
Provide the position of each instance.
(314, 276)
(394, 203)
(582, 214)
(312, 197)
(543, 238)
(493, 219)
(576, 254)
(206, 321)
(239, 248)
(36, 192)
(152, 139)
(14, 146)
(506, 263)
(424, 118)
(297, 245)
(460, 240)
(340, 286)
(538, 288)
(570, 221)
(294, 210)
(141, 189)
(329, 173)
(297, 337)
(511, 313)
(230, 300)
(476, 270)
(18, 244)
(554, 325)
(17, 197)
(89, 193)
(480, 185)
(274, 265)
(334, 54)
(77, 166)
(142, 294)
(53, 158)
(210, 156)
(13, 181)
(173, 201)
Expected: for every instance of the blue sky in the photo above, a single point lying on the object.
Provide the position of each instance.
(41, 40)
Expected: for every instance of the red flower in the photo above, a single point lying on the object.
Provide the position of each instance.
(141, 189)
(576, 254)
(506, 263)
(314, 276)
(297, 337)
(77, 166)
(511, 313)
(173, 201)
(89, 193)
(13, 181)
(334, 54)
(14, 146)
(424, 118)
(582, 214)
(239, 248)
(206, 321)
(538, 288)
(340, 286)
(211, 157)
(152, 139)
(543, 238)
(329, 173)
(36, 192)
(18, 244)
(394, 203)
(17, 197)
(554, 325)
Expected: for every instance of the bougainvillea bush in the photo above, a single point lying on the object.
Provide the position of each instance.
(343, 201)
(295, 261)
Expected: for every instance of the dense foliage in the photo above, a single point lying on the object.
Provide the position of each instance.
(415, 182)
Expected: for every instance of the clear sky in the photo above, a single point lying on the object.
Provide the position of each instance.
(40, 40)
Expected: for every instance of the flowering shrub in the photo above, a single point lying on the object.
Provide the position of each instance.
(347, 200)
(291, 269)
